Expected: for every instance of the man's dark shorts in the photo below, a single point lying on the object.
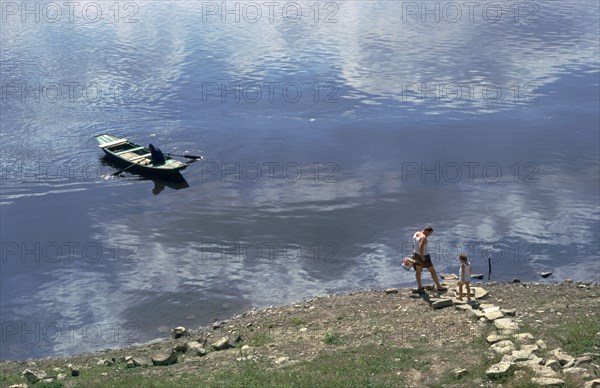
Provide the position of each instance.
(423, 262)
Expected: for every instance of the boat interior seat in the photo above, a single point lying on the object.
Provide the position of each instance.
(113, 143)
(139, 157)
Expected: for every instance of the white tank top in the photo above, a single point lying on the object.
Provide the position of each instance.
(416, 241)
(464, 276)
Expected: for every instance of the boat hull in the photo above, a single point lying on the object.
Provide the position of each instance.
(137, 159)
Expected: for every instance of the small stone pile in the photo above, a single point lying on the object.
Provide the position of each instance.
(161, 358)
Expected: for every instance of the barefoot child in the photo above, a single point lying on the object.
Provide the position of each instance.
(464, 276)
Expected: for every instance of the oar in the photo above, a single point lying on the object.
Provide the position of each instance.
(123, 170)
(194, 157)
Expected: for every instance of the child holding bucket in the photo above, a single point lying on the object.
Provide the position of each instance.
(464, 276)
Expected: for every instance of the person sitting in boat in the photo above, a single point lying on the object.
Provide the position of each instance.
(158, 157)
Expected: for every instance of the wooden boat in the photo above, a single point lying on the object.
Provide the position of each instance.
(137, 159)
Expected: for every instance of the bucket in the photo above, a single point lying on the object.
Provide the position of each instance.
(407, 264)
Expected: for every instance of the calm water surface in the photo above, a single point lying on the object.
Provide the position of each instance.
(329, 138)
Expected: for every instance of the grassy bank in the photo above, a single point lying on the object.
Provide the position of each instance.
(357, 340)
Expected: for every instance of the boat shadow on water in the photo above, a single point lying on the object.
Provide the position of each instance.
(175, 181)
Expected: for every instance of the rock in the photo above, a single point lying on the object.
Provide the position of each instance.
(545, 274)
(178, 332)
(477, 276)
(181, 347)
(541, 344)
(592, 384)
(499, 370)
(515, 280)
(520, 355)
(33, 376)
(506, 325)
(281, 360)
(303, 330)
(105, 362)
(568, 281)
(493, 338)
(553, 364)
(74, 371)
(489, 309)
(164, 358)
(139, 361)
(195, 349)
(18, 386)
(583, 360)
(478, 313)
(480, 293)
(543, 371)
(391, 291)
(524, 338)
(221, 344)
(529, 348)
(441, 303)
(509, 312)
(459, 373)
(503, 347)
(493, 315)
(547, 381)
(463, 307)
(575, 371)
(61, 376)
(562, 357)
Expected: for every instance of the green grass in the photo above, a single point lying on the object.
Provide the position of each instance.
(298, 321)
(354, 367)
(579, 337)
(333, 338)
(259, 339)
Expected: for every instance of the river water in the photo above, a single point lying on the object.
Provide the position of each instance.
(331, 132)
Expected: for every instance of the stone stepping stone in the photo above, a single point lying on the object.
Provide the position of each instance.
(543, 371)
(503, 347)
(493, 315)
(493, 338)
(506, 324)
(441, 303)
(547, 381)
(524, 338)
(499, 370)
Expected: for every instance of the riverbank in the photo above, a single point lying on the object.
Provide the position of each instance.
(376, 337)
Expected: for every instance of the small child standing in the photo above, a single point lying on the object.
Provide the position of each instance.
(464, 276)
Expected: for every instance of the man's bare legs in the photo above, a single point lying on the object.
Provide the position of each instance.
(434, 277)
(418, 270)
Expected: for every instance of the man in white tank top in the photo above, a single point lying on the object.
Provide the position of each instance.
(423, 259)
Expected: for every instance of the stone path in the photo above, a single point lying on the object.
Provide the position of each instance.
(519, 350)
